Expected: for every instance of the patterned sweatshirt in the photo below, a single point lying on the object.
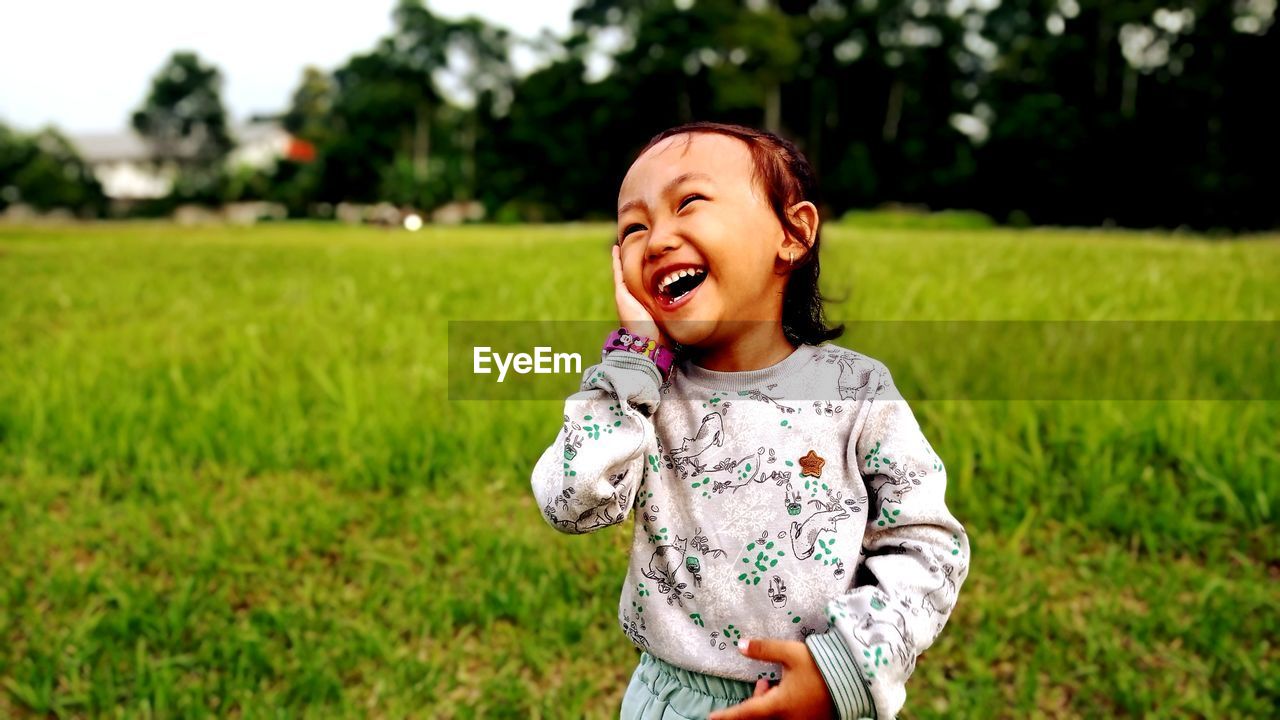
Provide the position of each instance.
(798, 501)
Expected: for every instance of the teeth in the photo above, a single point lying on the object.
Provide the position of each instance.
(676, 275)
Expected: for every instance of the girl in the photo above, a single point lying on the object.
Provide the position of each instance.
(791, 529)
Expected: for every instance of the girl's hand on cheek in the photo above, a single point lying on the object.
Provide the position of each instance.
(801, 694)
(631, 313)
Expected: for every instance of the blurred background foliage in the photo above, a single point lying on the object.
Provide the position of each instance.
(1059, 112)
(1080, 112)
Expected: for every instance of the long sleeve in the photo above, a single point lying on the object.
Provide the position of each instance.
(587, 479)
(916, 558)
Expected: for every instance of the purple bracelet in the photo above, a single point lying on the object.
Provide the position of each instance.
(622, 339)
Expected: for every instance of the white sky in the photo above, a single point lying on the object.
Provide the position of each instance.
(84, 65)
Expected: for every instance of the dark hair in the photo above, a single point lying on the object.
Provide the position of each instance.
(787, 178)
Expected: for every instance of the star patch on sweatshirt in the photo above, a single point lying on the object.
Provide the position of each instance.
(811, 465)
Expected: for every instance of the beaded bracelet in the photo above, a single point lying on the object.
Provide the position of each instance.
(623, 339)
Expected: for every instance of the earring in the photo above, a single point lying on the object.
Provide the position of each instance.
(791, 259)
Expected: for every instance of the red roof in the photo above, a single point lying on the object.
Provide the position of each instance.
(300, 150)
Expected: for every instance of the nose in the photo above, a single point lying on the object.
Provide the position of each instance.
(661, 240)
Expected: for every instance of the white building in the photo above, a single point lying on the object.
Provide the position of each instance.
(122, 161)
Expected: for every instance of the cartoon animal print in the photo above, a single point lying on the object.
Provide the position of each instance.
(755, 394)
(690, 458)
(751, 473)
(710, 433)
(793, 500)
(904, 479)
(725, 465)
(836, 499)
(603, 514)
(779, 477)
(729, 635)
(598, 516)
(627, 341)
(778, 592)
(827, 408)
(871, 631)
(563, 501)
(947, 587)
(893, 482)
(632, 628)
(664, 459)
(827, 551)
(702, 545)
(850, 504)
(648, 519)
(804, 537)
(664, 567)
(855, 374)
(766, 555)
(572, 440)
(908, 607)
(563, 498)
(693, 564)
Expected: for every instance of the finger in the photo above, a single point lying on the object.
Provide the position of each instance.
(768, 649)
(762, 687)
(621, 294)
(755, 708)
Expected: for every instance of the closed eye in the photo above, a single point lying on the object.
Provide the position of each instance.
(634, 227)
(689, 199)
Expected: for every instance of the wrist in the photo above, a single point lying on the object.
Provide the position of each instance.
(623, 340)
(848, 687)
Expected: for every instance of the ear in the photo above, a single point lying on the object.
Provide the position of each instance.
(805, 215)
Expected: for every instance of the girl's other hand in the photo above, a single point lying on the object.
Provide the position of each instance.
(801, 694)
(631, 313)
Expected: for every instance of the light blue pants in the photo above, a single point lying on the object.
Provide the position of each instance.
(662, 691)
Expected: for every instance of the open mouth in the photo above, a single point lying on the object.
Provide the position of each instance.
(676, 287)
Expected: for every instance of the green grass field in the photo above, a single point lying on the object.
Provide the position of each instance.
(233, 484)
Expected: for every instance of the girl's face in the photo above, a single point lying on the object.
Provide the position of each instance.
(690, 204)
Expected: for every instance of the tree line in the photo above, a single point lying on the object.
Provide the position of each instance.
(1079, 112)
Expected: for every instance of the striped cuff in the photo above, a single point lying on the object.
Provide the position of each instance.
(851, 693)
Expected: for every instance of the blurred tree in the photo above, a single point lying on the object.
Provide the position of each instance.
(560, 151)
(294, 184)
(877, 81)
(183, 120)
(391, 119)
(1061, 111)
(45, 172)
(311, 105)
(875, 94)
(182, 116)
(376, 115)
(418, 48)
(688, 60)
(15, 152)
(1124, 112)
(480, 65)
